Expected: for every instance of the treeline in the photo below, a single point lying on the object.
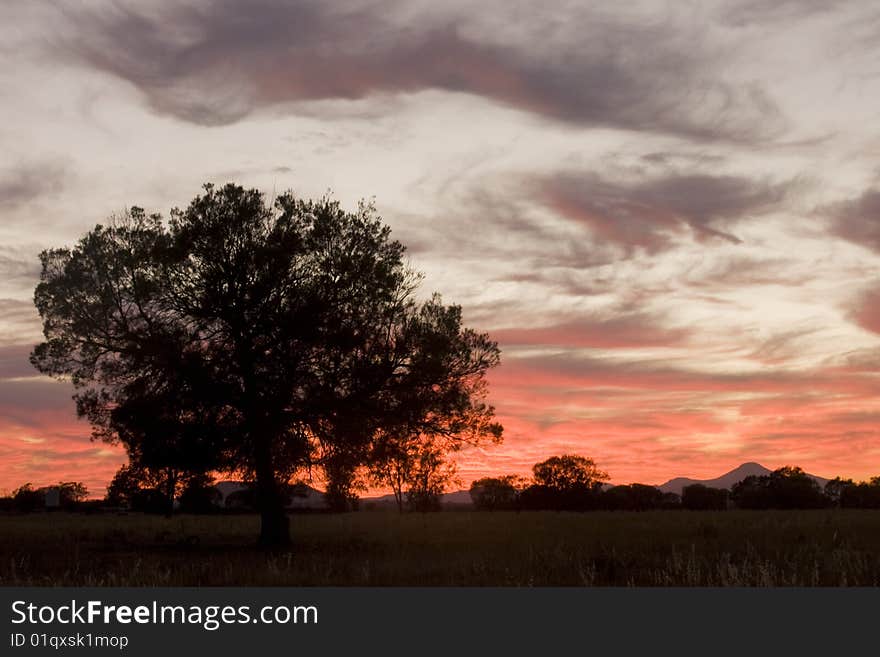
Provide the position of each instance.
(561, 483)
(575, 483)
(65, 495)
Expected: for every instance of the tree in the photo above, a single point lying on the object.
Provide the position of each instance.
(785, 488)
(71, 493)
(343, 482)
(496, 493)
(243, 338)
(698, 497)
(633, 497)
(416, 469)
(430, 475)
(836, 490)
(199, 495)
(145, 490)
(850, 495)
(567, 482)
(568, 472)
(26, 499)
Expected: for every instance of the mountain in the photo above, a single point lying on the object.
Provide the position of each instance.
(726, 480)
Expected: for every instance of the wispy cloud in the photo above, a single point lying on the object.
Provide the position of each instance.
(858, 219)
(28, 181)
(651, 214)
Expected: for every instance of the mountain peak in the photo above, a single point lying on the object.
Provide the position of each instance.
(727, 480)
(749, 468)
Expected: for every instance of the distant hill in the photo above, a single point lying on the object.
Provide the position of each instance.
(455, 497)
(726, 480)
(304, 496)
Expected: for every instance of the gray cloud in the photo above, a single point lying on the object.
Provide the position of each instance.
(18, 321)
(18, 268)
(29, 181)
(651, 214)
(26, 400)
(858, 220)
(14, 361)
(769, 12)
(215, 62)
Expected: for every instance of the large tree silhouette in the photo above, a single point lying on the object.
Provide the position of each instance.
(244, 337)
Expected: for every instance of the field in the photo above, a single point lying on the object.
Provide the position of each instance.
(664, 548)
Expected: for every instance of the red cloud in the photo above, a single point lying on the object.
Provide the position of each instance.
(624, 331)
(866, 310)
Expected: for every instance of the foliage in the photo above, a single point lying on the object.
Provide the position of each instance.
(785, 488)
(496, 493)
(698, 497)
(151, 490)
(25, 498)
(634, 497)
(70, 494)
(429, 477)
(851, 495)
(416, 469)
(568, 472)
(199, 495)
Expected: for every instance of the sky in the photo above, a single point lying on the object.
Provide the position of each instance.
(667, 214)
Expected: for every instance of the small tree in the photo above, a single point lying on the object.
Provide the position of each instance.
(566, 482)
(416, 469)
(496, 493)
(863, 495)
(26, 499)
(429, 478)
(836, 490)
(569, 472)
(71, 493)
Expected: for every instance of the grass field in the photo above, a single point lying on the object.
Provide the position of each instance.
(664, 548)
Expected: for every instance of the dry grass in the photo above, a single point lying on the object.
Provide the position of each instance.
(742, 548)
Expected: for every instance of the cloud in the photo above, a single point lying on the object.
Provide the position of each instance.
(213, 63)
(19, 322)
(770, 12)
(623, 331)
(858, 220)
(31, 398)
(865, 311)
(747, 271)
(14, 361)
(567, 370)
(16, 268)
(651, 214)
(30, 180)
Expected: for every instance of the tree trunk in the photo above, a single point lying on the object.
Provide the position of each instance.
(170, 487)
(274, 523)
(274, 526)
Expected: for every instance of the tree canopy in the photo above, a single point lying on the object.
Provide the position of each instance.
(784, 488)
(568, 472)
(257, 339)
